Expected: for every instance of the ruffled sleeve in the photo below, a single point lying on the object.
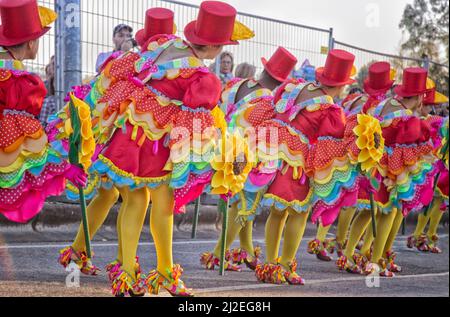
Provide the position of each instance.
(203, 92)
(22, 92)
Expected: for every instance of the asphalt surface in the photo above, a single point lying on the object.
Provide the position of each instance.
(28, 267)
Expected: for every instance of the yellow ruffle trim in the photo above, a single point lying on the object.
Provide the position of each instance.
(136, 179)
(291, 203)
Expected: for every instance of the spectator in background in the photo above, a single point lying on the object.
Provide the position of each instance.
(226, 67)
(245, 71)
(49, 106)
(355, 90)
(122, 33)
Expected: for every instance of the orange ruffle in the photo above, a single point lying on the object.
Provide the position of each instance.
(14, 129)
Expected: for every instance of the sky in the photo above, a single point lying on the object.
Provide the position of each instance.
(372, 24)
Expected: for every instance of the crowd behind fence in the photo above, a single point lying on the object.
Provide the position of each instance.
(99, 17)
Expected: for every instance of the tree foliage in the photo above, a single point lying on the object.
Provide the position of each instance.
(426, 24)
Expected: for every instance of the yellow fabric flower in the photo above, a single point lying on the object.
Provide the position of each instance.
(370, 141)
(232, 165)
(87, 147)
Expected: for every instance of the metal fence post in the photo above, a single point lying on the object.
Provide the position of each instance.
(68, 46)
(59, 54)
(331, 40)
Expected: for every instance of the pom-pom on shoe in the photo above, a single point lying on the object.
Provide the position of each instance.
(432, 245)
(173, 284)
(123, 284)
(210, 262)
(317, 247)
(391, 265)
(69, 255)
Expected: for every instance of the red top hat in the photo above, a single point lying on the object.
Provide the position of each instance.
(379, 79)
(157, 21)
(214, 25)
(280, 64)
(338, 69)
(22, 21)
(414, 82)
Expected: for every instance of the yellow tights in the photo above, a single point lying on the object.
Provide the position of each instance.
(294, 224)
(394, 232)
(359, 225)
(97, 211)
(434, 216)
(234, 229)
(322, 232)
(161, 227)
(345, 218)
(130, 225)
(384, 228)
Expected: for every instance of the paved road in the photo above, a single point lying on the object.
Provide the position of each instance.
(28, 268)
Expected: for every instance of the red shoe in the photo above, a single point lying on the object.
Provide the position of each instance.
(354, 266)
(411, 242)
(391, 265)
(317, 247)
(384, 272)
(123, 284)
(210, 261)
(291, 275)
(432, 245)
(421, 244)
(253, 261)
(270, 273)
(174, 285)
(68, 255)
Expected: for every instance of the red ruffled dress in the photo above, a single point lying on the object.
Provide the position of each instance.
(155, 121)
(316, 172)
(30, 170)
(407, 163)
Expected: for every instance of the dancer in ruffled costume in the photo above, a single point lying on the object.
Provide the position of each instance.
(439, 126)
(30, 170)
(376, 85)
(159, 25)
(316, 174)
(406, 175)
(247, 103)
(157, 113)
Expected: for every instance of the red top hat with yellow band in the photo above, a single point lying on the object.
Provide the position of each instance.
(432, 96)
(157, 21)
(22, 21)
(414, 82)
(216, 25)
(280, 64)
(338, 69)
(380, 78)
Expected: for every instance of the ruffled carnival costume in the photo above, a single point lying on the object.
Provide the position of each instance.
(406, 182)
(321, 246)
(347, 238)
(147, 117)
(245, 206)
(315, 174)
(30, 170)
(428, 242)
